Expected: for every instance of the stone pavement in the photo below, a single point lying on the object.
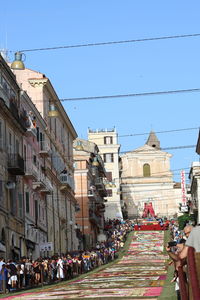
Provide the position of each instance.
(140, 274)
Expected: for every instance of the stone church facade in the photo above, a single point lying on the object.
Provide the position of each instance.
(146, 181)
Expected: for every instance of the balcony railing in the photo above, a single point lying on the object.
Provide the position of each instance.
(16, 164)
(48, 188)
(44, 148)
(67, 181)
(14, 109)
(1, 143)
(99, 182)
(94, 218)
(31, 172)
(31, 132)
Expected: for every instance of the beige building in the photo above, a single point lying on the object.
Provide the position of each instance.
(90, 193)
(107, 142)
(56, 144)
(146, 178)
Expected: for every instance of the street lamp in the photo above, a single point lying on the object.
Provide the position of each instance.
(53, 112)
(18, 63)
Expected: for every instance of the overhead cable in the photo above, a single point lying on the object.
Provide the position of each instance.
(113, 42)
(156, 93)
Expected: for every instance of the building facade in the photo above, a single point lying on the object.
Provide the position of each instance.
(55, 187)
(107, 143)
(146, 181)
(90, 192)
(194, 177)
(12, 167)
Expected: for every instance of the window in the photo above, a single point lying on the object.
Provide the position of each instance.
(109, 193)
(27, 203)
(20, 208)
(109, 176)
(10, 150)
(17, 146)
(38, 133)
(1, 135)
(3, 236)
(1, 191)
(43, 213)
(108, 157)
(146, 170)
(108, 140)
(36, 211)
(13, 201)
(25, 157)
(35, 159)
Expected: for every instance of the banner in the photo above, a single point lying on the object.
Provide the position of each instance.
(183, 188)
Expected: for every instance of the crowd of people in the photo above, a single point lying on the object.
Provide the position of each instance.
(177, 249)
(16, 275)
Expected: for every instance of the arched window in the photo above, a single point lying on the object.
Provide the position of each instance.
(146, 170)
(3, 236)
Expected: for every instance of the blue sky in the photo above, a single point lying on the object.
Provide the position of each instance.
(116, 69)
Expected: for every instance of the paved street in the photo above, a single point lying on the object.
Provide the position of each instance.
(140, 273)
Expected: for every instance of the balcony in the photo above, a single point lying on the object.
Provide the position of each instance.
(32, 132)
(16, 164)
(45, 150)
(101, 208)
(91, 193)
(14, 109)
(38, 184)
(31, 172)
(67, 182)
(94, 218)
(48, 188)
(99, 183)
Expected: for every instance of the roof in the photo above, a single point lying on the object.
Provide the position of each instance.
(153, 140)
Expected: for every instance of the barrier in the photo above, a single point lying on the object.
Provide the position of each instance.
(194, 288)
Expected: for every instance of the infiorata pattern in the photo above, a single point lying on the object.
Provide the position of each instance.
(140, 273)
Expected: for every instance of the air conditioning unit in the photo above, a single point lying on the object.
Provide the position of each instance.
(10, 185)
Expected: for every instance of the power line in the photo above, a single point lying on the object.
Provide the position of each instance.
(164, 131)
(156, 93)
(70, 157)
(113, 42)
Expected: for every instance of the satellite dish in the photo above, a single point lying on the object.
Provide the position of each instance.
(10, 185)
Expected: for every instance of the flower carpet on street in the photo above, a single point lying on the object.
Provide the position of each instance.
(140, 274)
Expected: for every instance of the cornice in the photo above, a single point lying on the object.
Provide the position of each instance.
(38, 82)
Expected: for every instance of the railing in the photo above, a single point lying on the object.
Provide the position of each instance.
(14, 109)
(31, 171)
(44, 148)
(99, 181)
(93, 217)
(31, 131)
(67, 179)
(193, 262)
(15, 164)
(1, 143)
(4, 94)
(182, 284)
(48, 184)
